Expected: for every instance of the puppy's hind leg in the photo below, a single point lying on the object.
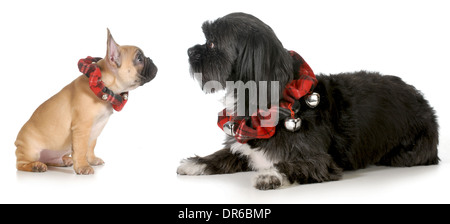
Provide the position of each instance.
(220, 162)
(28, 161)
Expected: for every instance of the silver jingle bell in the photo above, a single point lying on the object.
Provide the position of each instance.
(228, 128)
(313, 100)
(104, 97)
(125, 96)
(292, 124)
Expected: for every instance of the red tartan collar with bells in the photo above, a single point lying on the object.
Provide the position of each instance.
(88, 67)
(247, 129)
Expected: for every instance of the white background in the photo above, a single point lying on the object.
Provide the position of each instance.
(170, 118)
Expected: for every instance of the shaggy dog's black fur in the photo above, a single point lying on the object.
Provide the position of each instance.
(363, 118)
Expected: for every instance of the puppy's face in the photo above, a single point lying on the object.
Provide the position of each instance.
(239, 47)
(129, 64)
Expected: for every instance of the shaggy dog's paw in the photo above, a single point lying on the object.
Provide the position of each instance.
(191, 167)
(268, 180)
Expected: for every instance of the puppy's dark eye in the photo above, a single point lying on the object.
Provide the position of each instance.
(139, 58)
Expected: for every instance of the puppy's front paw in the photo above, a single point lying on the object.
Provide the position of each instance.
(96, 161)
(84, 170)
(67, 161)
(268, 180)
(191, 167)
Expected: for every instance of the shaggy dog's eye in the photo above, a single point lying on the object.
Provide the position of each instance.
(211, 45)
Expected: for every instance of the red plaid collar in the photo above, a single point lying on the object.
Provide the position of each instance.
(248, 129)
(92, 71)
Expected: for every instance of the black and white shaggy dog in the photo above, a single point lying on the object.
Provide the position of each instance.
(362, 118)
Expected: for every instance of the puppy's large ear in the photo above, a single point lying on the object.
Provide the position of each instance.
(112, 52)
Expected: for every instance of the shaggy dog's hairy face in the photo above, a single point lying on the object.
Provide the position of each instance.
(240, 47)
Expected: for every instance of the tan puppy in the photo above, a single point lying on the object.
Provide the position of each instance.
(69, 123)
